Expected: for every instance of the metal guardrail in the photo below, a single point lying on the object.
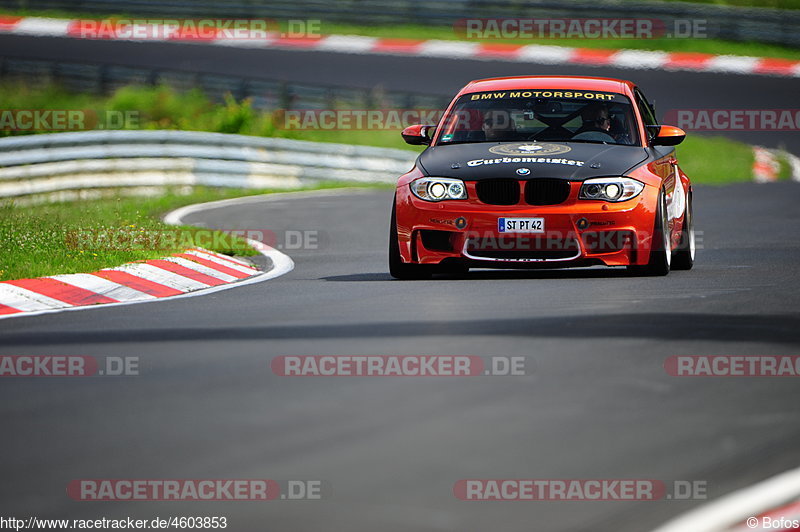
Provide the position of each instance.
(733, 23)
(42, 164)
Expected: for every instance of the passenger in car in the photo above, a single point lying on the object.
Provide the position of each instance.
(499, 125)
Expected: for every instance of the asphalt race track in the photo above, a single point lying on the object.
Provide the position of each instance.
(596, 404)
(669, 90)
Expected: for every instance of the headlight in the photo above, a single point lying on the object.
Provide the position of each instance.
(439, 188)
(610, 189)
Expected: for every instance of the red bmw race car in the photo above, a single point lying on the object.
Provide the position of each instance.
(543, 171)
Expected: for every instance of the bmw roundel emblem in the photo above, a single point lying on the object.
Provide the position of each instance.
(523, 171)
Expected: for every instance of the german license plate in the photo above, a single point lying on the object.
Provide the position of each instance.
(520, 225)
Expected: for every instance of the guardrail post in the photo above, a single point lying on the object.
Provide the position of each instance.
(152, 77)
(331, 100)
(286, 97)
(242, 90)
(103, 79)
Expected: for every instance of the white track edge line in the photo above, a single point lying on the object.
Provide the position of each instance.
(176, 217)
(735, 507)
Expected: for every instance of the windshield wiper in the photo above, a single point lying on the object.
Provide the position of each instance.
(479, 141)
(449, 143)
(589, 141)
(452, 142)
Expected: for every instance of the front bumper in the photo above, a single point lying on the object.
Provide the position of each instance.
(576, 232)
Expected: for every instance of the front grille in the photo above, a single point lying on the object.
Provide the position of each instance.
(498, 191)
(546, 191)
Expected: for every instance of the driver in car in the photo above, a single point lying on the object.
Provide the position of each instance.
(597, 118)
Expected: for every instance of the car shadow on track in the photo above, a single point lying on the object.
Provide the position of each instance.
(476, 275)
(776, 329)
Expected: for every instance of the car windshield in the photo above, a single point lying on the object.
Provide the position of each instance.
(546, 115)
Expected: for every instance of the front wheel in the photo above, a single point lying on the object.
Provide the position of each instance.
(660, 248)
(397, 268)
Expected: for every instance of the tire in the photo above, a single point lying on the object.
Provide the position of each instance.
(660, 253)
(397, 268)
(683, 256)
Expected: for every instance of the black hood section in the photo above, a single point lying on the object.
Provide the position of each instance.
(564, 160)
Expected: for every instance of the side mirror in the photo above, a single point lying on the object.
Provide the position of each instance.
(668, 136)
(418, 134)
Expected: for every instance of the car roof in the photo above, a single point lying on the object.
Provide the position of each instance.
(550, 82)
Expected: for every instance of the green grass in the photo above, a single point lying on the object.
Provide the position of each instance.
(715, 160)
(164, 108)
(85, 236)
(405, 31)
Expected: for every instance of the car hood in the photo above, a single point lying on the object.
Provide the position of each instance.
(563, 160)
